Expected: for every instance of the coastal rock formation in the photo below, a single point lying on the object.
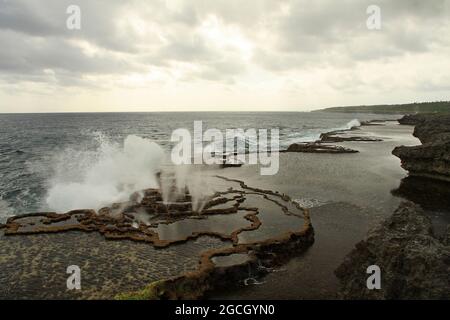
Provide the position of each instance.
(414, 263)
(433, 129)
(430, 194)
(332, 137)
(432, 158)
(345, 135)
(412, 119)
(237, 233)
(318, 148)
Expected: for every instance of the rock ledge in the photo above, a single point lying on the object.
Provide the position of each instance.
(414, 263)
(432, 158)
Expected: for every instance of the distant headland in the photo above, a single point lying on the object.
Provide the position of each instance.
(416, 107)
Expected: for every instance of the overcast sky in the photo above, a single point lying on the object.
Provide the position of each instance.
(230, 55)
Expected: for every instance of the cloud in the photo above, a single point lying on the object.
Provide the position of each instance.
(228, 43)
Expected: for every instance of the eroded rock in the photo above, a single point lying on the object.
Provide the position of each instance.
(432, 158)
(413, 119)
(335, 137)
(149, 220)
(318, 148)
(323, 144)
(414, 263)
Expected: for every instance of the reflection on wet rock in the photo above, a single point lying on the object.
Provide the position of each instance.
(165, 245)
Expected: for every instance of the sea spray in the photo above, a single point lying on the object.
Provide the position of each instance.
(111, 173)
(199, 191)
(172, 182)
(352, 124)
(314, 134)
(5, 210)
(165, 186)
(176, 181)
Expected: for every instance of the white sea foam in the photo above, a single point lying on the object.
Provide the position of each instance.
(301, 137)
(353, 123)
(185, 178)
(5, 210)
(111, 173)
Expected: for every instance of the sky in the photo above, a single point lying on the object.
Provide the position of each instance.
(221, 55)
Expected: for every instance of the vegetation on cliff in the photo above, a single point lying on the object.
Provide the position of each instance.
(416, 107)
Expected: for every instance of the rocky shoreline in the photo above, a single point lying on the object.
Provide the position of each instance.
(432, 158)
(414, 262)
(325, 144)
(405, 246)
(233, 234)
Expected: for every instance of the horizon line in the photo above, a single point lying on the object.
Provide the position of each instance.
(158, 111)
(236, 111)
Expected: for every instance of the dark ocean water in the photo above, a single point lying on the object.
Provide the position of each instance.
(38, 149)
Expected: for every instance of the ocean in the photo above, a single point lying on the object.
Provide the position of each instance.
(48, 160)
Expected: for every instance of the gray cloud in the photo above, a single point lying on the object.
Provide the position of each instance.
(285, 36)
(327, 30)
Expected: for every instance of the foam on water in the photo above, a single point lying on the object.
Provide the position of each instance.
(314, 135)
(111, 173)
(5, 210)
(61, 167)
(352, 124)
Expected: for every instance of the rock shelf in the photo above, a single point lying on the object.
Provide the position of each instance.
(432, 158)
(229, 217)
(323, 145)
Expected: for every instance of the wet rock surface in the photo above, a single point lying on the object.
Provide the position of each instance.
(413, 119)
(318, 148)
(428, 193)
(432, 158)
(34, 266)
(432, 195)
(323, 145)
(166, 245)
(414, 263)
(338, 136)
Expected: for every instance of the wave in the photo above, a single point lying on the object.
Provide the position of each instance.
(5, 210)
(352, 124)
(302, 137)
(108, 174)
(111, 172)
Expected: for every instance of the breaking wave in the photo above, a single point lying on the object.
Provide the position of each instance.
(5, 210)
(351, 124)
(108, 174)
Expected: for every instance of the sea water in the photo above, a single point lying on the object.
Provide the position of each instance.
(58, 162)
